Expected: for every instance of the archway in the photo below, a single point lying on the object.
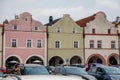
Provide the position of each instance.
(75, 60)
(113, 61)
(95, 59)
(35, 60)
(56, 60)
(11, 61)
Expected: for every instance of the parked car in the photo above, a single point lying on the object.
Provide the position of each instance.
(1, 74)
(3, 70)
(105, 73)
(33, 69)
(118, 66)
(41, 77)
(51, 69)
(78, 65)
(70, 70)
(90, 65)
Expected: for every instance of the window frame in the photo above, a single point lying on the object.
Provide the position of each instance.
(28, 43)
(75, 45)
(91, 43)
(58, 30)
(15, 28)
(13, 42)
(57, 45)
(99, 44)
(39, 43)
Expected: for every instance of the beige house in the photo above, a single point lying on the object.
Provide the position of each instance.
(65, 41)
(1, 44)
(101, 39)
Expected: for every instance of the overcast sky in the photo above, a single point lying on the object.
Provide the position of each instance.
(42, 9)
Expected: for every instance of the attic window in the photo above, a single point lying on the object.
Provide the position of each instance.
(25, 19)
(15, 27)
(93, 31)
(73, 30)
(58, 29)
(36, 28)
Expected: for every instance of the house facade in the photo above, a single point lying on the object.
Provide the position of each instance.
(24, 41)
(65, 41)
(101, 40)
(1, 45)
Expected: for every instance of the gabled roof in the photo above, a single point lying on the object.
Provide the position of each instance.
(53, 22)
(82, 22)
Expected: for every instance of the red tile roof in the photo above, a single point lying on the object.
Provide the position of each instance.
(82, 22)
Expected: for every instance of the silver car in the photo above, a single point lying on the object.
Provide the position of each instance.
(41, 77)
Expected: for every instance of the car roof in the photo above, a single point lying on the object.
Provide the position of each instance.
(31, 65)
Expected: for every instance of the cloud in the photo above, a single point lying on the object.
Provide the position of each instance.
(75, 13)
(110, 4)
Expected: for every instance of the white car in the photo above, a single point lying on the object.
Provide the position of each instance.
(42, 77)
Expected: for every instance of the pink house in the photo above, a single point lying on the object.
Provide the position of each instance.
(24, 41)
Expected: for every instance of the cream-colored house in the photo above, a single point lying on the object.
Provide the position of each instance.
(65, 41)
(101, 39)
(1, 44)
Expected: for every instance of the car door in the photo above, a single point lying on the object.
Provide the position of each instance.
(99, 73)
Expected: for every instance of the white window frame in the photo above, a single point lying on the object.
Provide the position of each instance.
(113, 44)
(58, 29)
(74, 44)
(37, 28)
(14, 27)
(74, 30)
(55, 44)
(27, 42)
(37, 43)
(12, 42)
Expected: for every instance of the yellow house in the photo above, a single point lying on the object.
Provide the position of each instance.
(1, 45)
(65, 41)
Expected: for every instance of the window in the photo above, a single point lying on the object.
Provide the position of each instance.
(14, 43)
(109, 31)
(112, 44)
(75, 44)
(57, 44)
(15, 27)
(36, 28)
(58, 29)
(73, 30)
(25, 19)
(99, 44)
(93, 31)
(39, 44)
(91, 44)
(28, 43)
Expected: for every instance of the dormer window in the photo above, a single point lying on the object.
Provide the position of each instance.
(15, 27)
(36, 28)
(58, 29)
(109, 31)
(93, 31)
(73, 30)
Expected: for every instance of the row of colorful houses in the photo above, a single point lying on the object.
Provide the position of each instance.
(61, 41)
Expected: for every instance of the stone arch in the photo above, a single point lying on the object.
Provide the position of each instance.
(56, 60)
(98, 56)
(11, 61)
(76, 60)
(113, 59)
(34, 60)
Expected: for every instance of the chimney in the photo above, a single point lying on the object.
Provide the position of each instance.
(50, 19)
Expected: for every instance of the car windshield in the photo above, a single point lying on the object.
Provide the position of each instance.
(112, 70)
(75, 71)
(36, 70)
